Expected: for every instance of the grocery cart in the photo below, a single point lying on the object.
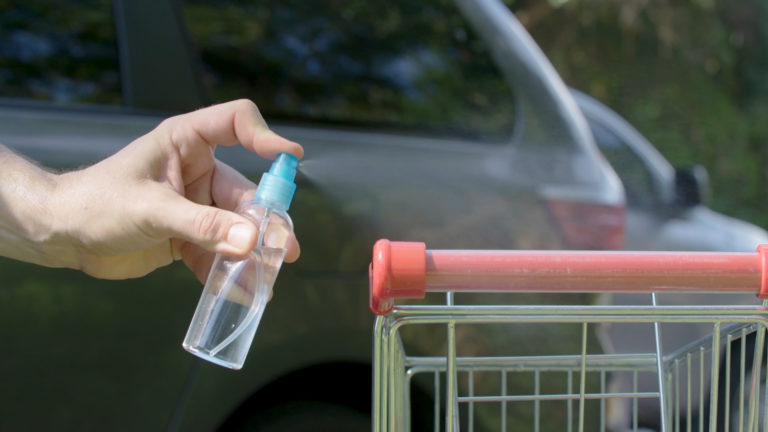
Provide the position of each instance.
(438, 365)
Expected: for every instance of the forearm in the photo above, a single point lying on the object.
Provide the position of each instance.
(26, 218)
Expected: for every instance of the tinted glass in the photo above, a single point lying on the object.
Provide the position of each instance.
(638, 181)
(402, 64)
(59, 51)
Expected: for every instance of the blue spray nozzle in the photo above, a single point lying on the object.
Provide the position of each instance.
(277, 186)
(284, 166)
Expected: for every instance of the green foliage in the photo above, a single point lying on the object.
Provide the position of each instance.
(401, 64)
(59, 51)
(690, 75)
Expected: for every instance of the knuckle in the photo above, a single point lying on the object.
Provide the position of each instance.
(249, 107)
(169, 125)
(246, 104)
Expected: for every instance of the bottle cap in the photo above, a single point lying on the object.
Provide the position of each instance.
(277, 186)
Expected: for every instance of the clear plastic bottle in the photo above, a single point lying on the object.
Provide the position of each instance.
(237, 289)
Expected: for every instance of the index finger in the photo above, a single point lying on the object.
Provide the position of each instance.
(230, 123)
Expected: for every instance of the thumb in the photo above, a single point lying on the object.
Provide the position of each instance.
(209, 227)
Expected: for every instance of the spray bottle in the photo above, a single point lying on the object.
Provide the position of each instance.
(237, 288)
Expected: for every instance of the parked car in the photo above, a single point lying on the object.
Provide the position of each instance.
(438, 121)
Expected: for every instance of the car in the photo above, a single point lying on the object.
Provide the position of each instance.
(439, 121)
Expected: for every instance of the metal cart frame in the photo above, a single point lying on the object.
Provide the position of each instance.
(409, 270)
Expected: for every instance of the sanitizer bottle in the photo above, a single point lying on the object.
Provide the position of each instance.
(238, 288)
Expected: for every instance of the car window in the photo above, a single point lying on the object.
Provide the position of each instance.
(63, 52)
(637, 179)
(397, 64)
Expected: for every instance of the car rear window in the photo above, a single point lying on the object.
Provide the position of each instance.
(397, 64)
(64, 52)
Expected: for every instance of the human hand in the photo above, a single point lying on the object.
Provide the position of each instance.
(165, 197)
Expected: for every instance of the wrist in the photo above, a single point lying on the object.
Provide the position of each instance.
(28, 221)
(55, 232)
(46, 226)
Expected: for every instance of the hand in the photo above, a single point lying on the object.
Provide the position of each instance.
(165, 197)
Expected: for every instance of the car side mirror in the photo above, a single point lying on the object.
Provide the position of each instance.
(692, 186)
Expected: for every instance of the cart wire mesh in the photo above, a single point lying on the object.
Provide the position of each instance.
(731, 360)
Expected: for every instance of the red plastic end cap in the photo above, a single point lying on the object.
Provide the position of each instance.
(763, 251)
(398, 270)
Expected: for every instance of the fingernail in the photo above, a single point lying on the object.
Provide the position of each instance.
(239, 237)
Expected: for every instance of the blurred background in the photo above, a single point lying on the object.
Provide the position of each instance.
(691, 75)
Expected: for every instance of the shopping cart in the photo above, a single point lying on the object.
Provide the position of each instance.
(451, 366)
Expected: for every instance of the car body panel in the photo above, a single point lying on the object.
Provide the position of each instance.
(68, 138)
(159, 67)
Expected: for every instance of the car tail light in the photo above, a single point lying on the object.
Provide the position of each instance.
(586, 225)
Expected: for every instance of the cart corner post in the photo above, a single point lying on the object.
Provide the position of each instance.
(398, 270)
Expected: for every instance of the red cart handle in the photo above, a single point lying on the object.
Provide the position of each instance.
(409, 270)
